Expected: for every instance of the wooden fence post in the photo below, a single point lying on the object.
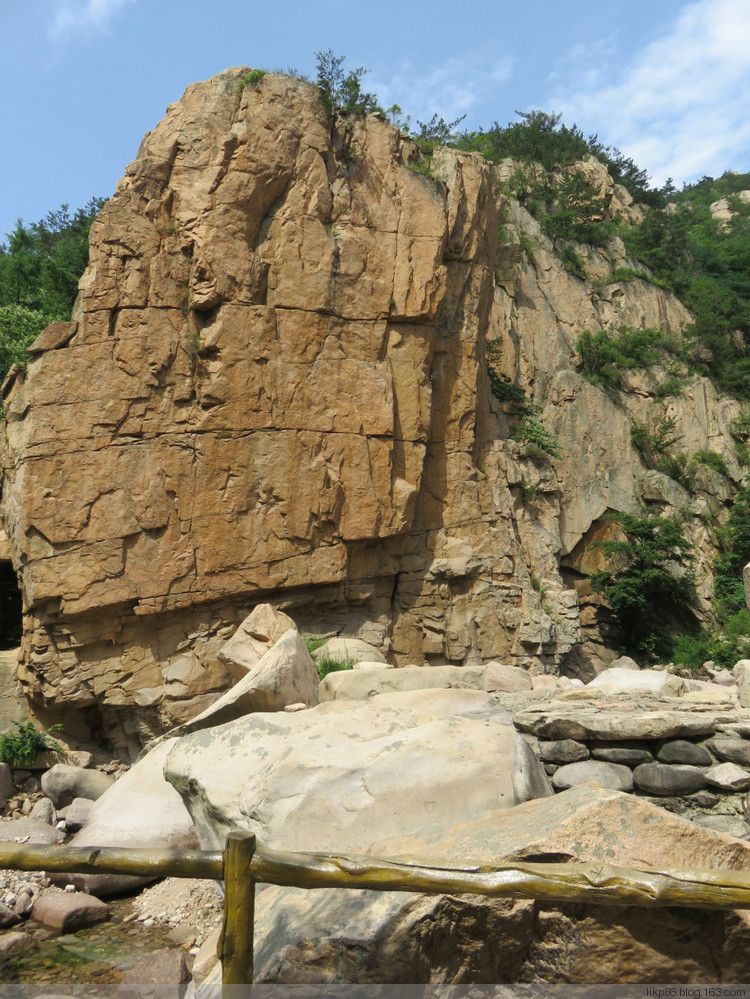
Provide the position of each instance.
(237, 931)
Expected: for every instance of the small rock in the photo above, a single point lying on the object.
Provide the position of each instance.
(24, 904)
(682, 751)
(706, 799)
(64, 783)
(7, 916)
(728, 776)
(14, 943)
(297, 706)
(501, 678)
(563, 751)
(77, 814)
(609, 775)
(625, 753)
(163, 967)
(43, 811)
(732, 825)
(31, 786)
(663, 779)
(624, 662)
(69, 912)
(734, 750)
(70, 888)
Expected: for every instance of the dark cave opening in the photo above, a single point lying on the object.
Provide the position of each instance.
(11, 608)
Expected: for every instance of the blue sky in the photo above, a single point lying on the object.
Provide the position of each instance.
(666, 81)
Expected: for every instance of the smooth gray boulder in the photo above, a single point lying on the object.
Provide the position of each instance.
(734, 750)
(563, 751)
(63, 783)
(344, 775)
(30, 831)
(665, 780)
(630, 754)
(610, 775)
(682, 751)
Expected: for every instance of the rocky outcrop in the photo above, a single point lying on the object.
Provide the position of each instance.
(275, 387)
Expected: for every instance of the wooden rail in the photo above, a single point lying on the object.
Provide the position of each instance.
(240, 866)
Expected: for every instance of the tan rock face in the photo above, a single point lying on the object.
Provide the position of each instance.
(274, 386)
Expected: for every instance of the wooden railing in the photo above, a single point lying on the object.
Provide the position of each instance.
(240, 866)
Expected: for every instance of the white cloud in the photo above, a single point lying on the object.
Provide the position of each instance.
(83, 17)
(679, 107)
(451, 90)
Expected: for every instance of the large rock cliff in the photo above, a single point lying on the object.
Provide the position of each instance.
(275, 386)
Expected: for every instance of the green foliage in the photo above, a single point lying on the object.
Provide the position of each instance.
(41, 263)
(540, 443)
(566, 205)
(606, 354)
(734, 537)
(642, 585)
(330, 664)
(573, 262)
(21, 746)
(40, 267)
(693, 649)
(712, 459)
(341, 93)
(251, 79)
(314, 642)
(740, 428)
(541, 137)
(19, 327)
(707, 264)
(436, 132)
(423, 166)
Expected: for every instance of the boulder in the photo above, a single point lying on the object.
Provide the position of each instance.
(258, 632)
(43, 811)
(628, 753)
(627, 680)
(31, 831)
(69, 911)
(661, 779)
(14, 943)
(358, 685)
(63, 783)
(284, 675)
(500, 677)
(77, 814)
(140, 810)
(624, 662)
(682, 751)
(337, 935)
(608, 722)
(610, 775)
(741, 674)
(735, 750)
(351, 650)
(728, 777)
(563, 751)
(344, 775)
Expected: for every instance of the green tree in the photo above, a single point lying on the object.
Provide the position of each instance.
(342, 92)
(648, 584)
